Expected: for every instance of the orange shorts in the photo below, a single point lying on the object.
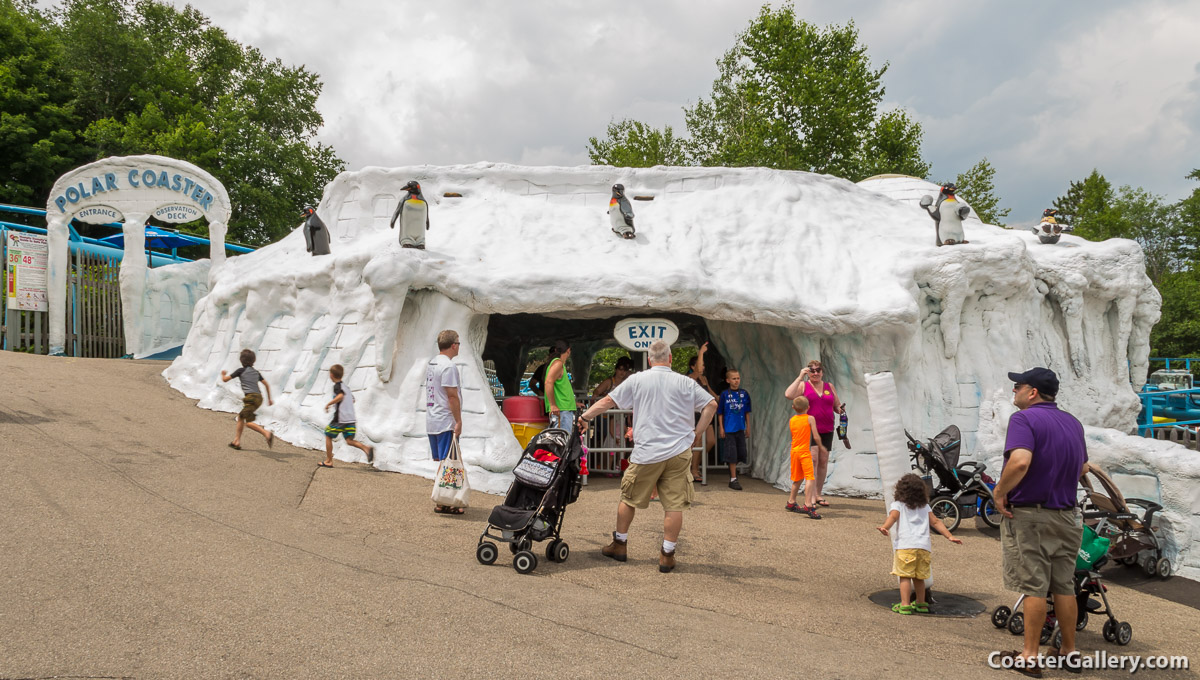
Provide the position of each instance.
(802, 467)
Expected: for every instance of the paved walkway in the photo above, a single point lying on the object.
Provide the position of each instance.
(133, 543)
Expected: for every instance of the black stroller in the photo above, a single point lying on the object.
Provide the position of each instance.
(1092, 555)
(546, 480)
(963, 490)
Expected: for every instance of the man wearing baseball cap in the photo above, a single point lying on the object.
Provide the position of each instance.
(1044, 455)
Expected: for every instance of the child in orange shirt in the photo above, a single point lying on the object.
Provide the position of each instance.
(804, 435)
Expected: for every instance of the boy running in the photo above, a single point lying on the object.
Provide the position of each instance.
(251, 399)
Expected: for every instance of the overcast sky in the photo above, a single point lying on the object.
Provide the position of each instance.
(1045, 90)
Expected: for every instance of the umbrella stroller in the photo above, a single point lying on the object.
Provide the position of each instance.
(546, 480)
(1132, 537)
(1087, 582)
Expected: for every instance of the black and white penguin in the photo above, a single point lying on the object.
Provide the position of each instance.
(413, 213)
(1049, 230)
(947, 215)
(620, 213)
(316, 235)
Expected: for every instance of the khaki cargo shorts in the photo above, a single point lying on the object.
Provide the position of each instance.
(673, 477)
(250, 404)
(911, 563)
(1039, 547)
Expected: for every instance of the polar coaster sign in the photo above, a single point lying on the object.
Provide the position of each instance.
(129, 189)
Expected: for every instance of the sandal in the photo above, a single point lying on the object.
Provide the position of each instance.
(905, 609)
(794, 507)
(447, 510)
(821, 502)
(920, 607)
(811, 512)
(234, 446)
(270, 440)
(370, 454)
(322, 464)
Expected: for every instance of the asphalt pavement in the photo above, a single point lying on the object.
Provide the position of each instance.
(135, 544)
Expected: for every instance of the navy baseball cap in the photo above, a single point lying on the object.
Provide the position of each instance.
(1042, 379)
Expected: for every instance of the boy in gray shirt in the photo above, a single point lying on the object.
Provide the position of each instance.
(251, 400)
(343, 422)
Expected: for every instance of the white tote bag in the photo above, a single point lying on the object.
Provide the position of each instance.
(450, 486)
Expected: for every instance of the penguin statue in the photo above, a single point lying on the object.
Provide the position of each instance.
(413, 213)
(1049, 230)
(620, 213)
(947, 215)
(316, 235)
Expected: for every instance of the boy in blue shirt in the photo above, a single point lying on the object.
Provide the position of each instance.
(733, 424)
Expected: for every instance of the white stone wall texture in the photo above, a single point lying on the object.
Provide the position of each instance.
(783, 266)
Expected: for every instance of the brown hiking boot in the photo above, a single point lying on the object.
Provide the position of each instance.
(666, 560)
(616, 550)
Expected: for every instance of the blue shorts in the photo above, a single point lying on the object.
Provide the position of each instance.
(564, 419)
(439, 444)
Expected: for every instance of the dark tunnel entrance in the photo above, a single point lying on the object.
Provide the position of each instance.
(511, 337)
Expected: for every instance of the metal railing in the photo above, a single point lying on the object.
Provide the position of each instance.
(608, 447)
(1146, 425)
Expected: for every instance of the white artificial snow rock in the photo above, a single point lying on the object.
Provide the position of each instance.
(783, 267)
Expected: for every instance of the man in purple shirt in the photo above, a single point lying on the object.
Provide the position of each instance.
(1044, 454)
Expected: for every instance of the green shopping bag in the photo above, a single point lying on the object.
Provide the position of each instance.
(1091, 549)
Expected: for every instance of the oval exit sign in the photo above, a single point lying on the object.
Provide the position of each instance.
(637, 334)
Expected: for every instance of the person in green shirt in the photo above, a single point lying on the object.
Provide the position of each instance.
(560, 396)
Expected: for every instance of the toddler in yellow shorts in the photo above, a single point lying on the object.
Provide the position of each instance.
(912, 518)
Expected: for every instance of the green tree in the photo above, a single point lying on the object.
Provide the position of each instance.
(1189, 210)
(604, 364)
(37, 116)
(793, 96)
(1087, 206)
(174, 84)
(1177, 334)
(977, 187)
(1097, 213)
(634, 144)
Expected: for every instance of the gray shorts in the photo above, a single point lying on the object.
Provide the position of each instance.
(1039, 547)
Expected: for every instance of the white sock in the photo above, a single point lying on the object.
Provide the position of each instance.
(620, 536)
(668, 546)
(733, 479)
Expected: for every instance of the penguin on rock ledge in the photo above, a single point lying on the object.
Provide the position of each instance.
(948, 215)
(620, 213)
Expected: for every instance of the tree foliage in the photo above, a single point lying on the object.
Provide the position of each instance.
(38, 121)
(633, 144)
(977, 186)
(144, 77)
(1097, 212)
(1169, 234)
(790, 95)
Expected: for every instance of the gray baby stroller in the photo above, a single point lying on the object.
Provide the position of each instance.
(545, 481)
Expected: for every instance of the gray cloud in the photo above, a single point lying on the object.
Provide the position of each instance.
(1046, 91)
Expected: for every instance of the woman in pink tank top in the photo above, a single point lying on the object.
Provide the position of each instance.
(823, 405)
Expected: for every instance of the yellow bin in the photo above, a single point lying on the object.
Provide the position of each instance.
(525, 431)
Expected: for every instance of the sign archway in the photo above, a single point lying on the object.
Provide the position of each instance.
(129, 189)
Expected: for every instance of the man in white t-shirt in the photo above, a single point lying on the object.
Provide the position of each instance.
(443, 397)
(663, 403)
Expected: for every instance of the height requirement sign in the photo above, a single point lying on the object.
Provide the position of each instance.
(26, 272)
